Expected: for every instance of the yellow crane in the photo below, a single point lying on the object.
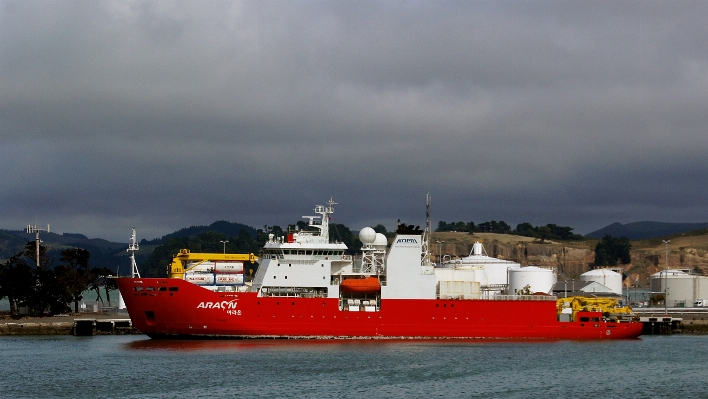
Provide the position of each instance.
(608, 306)
(177, 269)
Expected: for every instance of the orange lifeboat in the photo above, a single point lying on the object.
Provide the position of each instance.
(367, 285)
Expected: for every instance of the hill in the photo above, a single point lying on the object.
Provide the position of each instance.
(105, 253)
(645, 230)
(224, 227)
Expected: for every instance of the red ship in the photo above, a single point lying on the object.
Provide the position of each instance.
(307, 287)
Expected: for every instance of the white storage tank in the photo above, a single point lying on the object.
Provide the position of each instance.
(684, 289)
(606, 277)
(537, 278)
(657, 280)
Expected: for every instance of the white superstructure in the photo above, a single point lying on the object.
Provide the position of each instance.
(306, 263)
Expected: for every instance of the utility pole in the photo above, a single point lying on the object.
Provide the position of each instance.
(35, 230)
(224, 242)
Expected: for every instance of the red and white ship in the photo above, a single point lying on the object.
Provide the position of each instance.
(307, 287)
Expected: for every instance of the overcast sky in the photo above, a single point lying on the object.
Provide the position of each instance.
(160, 115)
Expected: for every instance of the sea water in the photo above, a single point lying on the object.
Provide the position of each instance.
(133, 366)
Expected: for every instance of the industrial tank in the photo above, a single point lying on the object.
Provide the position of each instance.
(682, 288)
(606, 277)
(657, 280)
(538, 279)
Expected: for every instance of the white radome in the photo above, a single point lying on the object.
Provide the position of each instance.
(381, 241)
(367, 235)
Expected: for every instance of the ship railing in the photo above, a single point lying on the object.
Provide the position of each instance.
(297, 292)
(525, 298)
(298, 262)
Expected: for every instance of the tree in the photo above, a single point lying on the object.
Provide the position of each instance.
(524, 229)
(17, 281)
(610, 250)
(543, 233)
(30, 251)
(342, 233)
(77, 273)
(379, 228)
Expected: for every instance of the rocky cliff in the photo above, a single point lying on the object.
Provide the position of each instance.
(573, 258)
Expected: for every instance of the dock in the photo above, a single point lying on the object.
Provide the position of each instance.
(89, 326)
(79, 325)
(659, 321)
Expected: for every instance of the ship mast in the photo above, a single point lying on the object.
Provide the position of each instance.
(323, 224)
(426, 233)
(132, 247)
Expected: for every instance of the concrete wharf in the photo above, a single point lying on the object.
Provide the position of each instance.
(672, 320)
(80, 324)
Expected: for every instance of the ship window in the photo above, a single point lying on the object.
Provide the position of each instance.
(174, 288)
(162, 288)
(286, 277)
(308, 252)
(138, 288)
(584, 319)
(273, 277)
(149, 288)
(595, 319)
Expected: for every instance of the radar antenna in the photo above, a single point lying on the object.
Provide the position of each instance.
(132, 247)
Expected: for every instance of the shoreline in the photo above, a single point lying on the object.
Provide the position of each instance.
(62, 324)
(66, 325)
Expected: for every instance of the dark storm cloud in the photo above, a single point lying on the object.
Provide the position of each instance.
(161, 115)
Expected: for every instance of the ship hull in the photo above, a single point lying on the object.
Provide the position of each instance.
(173, 308)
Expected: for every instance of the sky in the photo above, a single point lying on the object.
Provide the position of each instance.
(163, 114)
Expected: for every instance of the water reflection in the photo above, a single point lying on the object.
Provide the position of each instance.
(225, 345)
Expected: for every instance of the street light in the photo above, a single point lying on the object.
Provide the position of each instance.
(224, 242)
(440, 250)
(666, 279)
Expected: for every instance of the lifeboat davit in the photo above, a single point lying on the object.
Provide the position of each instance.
(367, 285)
